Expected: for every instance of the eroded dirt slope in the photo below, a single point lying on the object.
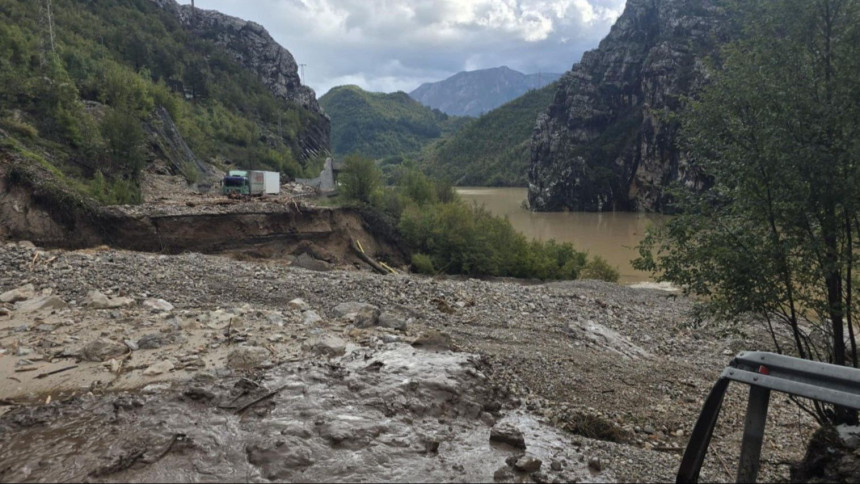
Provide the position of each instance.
(35, 206)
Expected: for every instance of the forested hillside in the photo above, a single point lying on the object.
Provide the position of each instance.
(378, 125)
(82, 82)
(494, 149)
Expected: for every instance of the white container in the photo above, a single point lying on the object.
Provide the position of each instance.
(257, 182)
(271, 182)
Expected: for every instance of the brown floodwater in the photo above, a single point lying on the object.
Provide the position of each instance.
(611, 235)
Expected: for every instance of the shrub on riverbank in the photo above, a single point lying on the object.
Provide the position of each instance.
(598, 268)
(447, 235)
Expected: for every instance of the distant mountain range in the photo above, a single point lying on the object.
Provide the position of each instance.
(474, 93)
(378, 125)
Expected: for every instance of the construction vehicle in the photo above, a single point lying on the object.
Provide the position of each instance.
(251, 182)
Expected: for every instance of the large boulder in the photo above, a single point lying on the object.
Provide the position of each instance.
(97, 300)
(326, 345)
(833, 455)
(362, 315)
(157, 305)
(41, 304)
(507, 433)
(248, 357)
(27, 291)
(103, 349)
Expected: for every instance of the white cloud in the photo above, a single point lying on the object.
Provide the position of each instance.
(398, 44)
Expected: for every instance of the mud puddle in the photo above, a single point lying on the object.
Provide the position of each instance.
(392, 414)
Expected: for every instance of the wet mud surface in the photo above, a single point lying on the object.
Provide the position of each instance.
(359, 376)
(398, 413)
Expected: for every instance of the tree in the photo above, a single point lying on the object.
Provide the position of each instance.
(777, 134)
(125, 139)
(360, 179)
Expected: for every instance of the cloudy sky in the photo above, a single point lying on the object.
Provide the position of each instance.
(391, 45)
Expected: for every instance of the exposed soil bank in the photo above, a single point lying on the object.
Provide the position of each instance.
(35, 209)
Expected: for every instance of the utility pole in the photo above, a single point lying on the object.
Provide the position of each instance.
(47, 19)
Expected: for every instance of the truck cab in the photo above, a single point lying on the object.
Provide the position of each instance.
(235, 184)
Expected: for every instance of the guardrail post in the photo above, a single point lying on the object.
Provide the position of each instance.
(753, 434)
(700, 438)
(766, 372)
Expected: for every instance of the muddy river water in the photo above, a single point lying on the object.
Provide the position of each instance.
(612, 235)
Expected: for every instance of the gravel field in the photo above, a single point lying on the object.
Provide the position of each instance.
(608, 379)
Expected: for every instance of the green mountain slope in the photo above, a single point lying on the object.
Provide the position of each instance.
(84, 94)
(493, 150)
(378, 125)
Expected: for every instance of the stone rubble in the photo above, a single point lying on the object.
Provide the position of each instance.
(623, 387)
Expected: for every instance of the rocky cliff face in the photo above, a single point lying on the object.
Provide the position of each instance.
(252, 47)
(608, 140)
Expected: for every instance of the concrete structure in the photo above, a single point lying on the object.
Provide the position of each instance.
(326, 183)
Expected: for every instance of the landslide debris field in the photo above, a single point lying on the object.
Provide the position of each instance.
(119, 365)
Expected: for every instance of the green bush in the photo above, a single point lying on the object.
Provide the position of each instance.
(124, 136)
(423, 264)
(598, 268)
(463, 239)
(19, 127)
(116, 192)
(360, 179)
(418, 187)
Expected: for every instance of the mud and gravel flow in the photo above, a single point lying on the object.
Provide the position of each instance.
(118, 365)
(392, 414)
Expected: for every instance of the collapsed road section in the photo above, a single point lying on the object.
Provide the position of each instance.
(285, 227)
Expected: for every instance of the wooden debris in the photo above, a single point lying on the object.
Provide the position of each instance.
(45, 375)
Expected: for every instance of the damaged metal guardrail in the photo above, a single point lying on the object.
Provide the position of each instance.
(763, 372)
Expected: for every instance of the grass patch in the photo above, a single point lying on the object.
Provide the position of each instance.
(594, 427)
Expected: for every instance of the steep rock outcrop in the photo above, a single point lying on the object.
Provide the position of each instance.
(252, 47)
(608, 140)
(169, 145)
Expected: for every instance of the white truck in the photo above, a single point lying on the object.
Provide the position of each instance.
(251, 182)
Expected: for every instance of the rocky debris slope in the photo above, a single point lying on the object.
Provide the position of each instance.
(453, 376)
(608, 140)
(252, 47)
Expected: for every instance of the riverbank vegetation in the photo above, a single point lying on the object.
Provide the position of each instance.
(777, 135)
(447, 235)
